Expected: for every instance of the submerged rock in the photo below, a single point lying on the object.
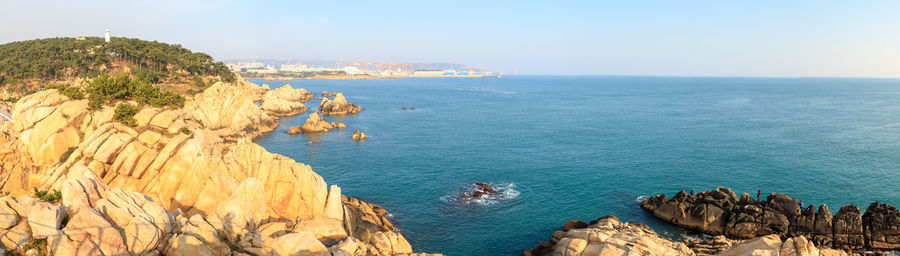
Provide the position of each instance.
(338, 106)
(481, 189)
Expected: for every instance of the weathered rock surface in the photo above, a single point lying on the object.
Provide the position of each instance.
(315, 124)
(228, 110)
(609, 236)
(719, 212)
(326, 94)
(285, 101)
(881, 226)
(154, 189)
(338, 106)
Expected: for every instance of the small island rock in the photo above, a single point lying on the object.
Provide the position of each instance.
(314, 124)
(358, 135)
(338, 106)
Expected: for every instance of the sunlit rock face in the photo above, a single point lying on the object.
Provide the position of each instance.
(181, 182)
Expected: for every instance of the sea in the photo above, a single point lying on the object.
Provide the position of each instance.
(560, 148)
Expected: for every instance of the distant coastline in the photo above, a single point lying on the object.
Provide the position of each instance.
(358, 77)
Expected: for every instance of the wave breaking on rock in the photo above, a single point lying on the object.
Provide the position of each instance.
(476, 194)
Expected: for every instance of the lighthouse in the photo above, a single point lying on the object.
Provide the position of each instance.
(107, 35)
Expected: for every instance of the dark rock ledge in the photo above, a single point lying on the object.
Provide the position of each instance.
(722, 212)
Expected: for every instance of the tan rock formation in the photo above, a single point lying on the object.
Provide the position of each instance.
(315, 124)
(288, 93)
(357, 135)
(609, 236)
(229, 112)
(326, 94)
(338, 106)
(285, 101)
(154, 189)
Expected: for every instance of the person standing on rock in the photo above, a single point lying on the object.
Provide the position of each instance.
(692, 192)
(758, 192)
(801, 203)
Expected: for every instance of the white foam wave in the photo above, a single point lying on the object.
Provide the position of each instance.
(640, 199)
(505, 191)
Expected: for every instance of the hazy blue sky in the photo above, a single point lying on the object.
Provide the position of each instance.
(718, 38)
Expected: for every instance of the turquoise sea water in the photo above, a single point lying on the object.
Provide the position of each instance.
(585, 147)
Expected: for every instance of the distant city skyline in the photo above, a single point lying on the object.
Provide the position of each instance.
(666, 38)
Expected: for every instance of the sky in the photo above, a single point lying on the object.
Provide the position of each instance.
(667, 38)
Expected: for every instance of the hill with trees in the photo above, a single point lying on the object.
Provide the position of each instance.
(27, 66)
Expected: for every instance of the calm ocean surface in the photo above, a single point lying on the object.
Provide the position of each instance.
(585, 147)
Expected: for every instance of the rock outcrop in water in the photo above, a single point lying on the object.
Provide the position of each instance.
(285, 101)
(314, 124)
(481, 190)
(721, 212)
(609, 236)
(326, 94)
(181, 182)
(359, 136)
(338, 106)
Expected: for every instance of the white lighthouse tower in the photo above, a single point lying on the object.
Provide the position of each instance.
(107, 35)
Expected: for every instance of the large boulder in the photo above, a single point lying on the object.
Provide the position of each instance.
(848, 229)
(297, 244)
(769, 245)
(45, 219)
(823, 234)
(881, 225)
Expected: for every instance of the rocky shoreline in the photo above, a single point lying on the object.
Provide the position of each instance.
(181, 181)
(721, 211)
(735, 225)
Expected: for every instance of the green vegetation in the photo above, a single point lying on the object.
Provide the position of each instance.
(199, 83)
(39, 245)
(125, 114)
(65, 156)
(186, 131)
(47, 196)
(106, 89)
(60, 58)
(72, 92)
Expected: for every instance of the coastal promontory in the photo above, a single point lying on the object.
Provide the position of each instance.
(120, 165)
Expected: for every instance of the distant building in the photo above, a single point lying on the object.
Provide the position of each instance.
(428, 72)
(352, 71)
(107, 35)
